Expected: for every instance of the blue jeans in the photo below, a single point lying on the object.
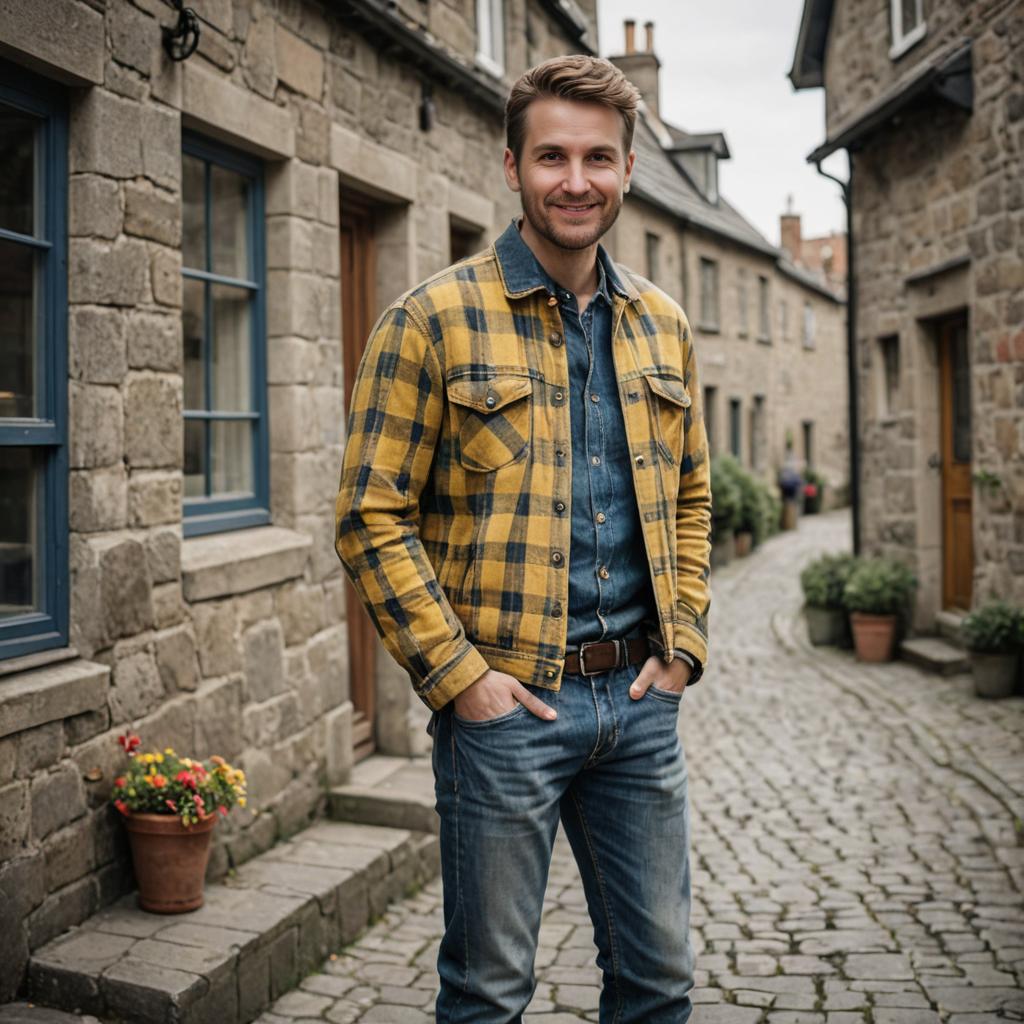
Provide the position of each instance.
(612, 769)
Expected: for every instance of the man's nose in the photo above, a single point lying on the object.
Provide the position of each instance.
(576, 181)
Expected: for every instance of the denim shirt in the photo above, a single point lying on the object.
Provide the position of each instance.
(610, 593)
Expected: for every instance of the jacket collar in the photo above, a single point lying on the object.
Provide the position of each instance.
(522, 274)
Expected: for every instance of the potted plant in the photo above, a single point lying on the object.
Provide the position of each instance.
(170, 805)
(748, 516)
(876, 593)
(814, 492)
(992, 632)
(823, 582)
(725, 508)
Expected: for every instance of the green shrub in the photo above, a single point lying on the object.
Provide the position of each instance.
(879, 586)
(726, 497)
(994, 628)
(824, 580)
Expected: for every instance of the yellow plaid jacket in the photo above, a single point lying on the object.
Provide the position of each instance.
(458, 458)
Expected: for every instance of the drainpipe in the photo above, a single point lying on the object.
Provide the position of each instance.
(851, 350)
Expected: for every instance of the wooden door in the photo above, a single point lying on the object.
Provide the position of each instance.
(957, 546)
(358, 304)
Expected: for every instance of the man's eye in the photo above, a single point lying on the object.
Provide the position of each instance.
(600, 156)
(550, 156)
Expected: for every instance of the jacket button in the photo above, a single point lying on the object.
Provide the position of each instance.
(491, 400)
(639, 460)
(556, 612)
(559, 396)
(559, 506)
(557, 558)
(550, 674)
(555, 339)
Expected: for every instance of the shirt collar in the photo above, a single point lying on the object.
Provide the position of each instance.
(522, 273)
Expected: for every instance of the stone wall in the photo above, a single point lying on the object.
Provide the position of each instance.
(232, 643)
(939, 228)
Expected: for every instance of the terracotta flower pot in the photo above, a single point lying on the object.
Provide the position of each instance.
(170, 860)
(874, 636)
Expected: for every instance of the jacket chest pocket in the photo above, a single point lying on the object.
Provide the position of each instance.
(669, 401)
(490, 420)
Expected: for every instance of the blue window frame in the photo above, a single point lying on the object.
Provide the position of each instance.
(33, 364)
(224, 334)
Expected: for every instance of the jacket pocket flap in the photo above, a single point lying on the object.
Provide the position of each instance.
(670, 388)
(489, 395)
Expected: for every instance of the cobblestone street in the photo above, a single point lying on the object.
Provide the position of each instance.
(856, 842)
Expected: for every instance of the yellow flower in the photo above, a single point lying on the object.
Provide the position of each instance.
(159, 758)
(147, 758)
(169, 750)
(131, 792)
(241, 801)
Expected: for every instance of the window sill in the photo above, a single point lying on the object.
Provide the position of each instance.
(708, 328)
(224, 564)
(764, 339)
(908, 41)
(50, 693)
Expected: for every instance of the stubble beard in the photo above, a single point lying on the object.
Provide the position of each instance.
(537, 213)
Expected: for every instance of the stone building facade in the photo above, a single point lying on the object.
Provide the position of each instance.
(928, 101)
(182, 242)
(770, 327)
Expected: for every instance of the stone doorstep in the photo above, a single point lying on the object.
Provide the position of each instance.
(257, 935)
(397, 792)
(935, 655)
(949, 625)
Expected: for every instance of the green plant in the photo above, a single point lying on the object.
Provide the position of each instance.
(161, 782)
(726, 497)
(879, 586)
(994, 628)
(824, 580)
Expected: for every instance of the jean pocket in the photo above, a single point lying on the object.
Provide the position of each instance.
(669, 696)
(471, 723)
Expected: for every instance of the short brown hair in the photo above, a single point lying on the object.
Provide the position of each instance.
(575, 77)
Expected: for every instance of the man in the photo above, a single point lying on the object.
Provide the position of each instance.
(525, 512)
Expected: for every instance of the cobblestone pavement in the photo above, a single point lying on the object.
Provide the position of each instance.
(857, 843)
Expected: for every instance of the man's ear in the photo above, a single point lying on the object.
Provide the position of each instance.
(630, 160)
(511, 171)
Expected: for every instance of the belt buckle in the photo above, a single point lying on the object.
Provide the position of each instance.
(620, 655)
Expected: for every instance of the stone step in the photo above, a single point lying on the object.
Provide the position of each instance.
(935, 655)
(258, 933)
(949, 624)
(396, 792)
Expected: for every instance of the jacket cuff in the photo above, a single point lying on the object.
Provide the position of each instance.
(467, 670)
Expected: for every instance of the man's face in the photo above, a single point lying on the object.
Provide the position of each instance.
(572, 170)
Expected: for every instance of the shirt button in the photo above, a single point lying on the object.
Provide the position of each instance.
(601, 517)
(557, 558)
(559, 506)
(596, 460)
(603, 572)
(552, 301)
(595, 397)
(555, 339)
(639, 460)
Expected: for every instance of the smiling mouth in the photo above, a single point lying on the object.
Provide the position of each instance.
(576, 209)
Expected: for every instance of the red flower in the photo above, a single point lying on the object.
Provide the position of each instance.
(129, 743)
(122, 807)
(120, 780)
(811, 490)
(173, 806)
(186, 778)
(223, 810)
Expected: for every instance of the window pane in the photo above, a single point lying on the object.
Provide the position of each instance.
(17, 171)
(232, 346)
(19, 523)
(193, 221)
(195, 458)
(17, 329)
(231, 457)
(909, 15)
(192, 336)
(230, 192)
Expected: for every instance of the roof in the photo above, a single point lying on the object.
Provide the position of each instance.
(808, 67)
(810, 280)
(660, 181)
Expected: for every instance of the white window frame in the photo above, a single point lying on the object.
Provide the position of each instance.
(808, 325)
(903, 40)
(710, 308)
(490, 36)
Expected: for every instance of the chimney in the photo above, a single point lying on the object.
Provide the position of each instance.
(789, 232)
(641, 67)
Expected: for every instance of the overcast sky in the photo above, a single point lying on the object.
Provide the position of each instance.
(723, 68)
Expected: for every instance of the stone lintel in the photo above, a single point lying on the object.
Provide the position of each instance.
(224, 564)
(61, 39)
(372, 168)
(42, 695)
(212, 104)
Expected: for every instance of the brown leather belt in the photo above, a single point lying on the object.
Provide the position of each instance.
(604, 655)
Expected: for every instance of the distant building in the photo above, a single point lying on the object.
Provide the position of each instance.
(927, 100)
(769, 323)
